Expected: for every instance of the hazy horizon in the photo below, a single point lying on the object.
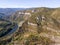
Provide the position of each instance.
(29, 3)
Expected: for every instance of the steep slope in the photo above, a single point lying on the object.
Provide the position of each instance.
(17, 16)
(41, 24)
(56, 14)
(41, 28)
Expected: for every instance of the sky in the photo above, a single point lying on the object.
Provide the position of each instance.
(29, 3)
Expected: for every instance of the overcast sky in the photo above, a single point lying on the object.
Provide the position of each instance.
(29, 3)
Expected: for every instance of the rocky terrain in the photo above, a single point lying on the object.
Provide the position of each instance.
(41, 27)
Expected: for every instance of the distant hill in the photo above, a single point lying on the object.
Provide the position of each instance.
(6, 13)
(13, 13)
(9, 11)
(54, 12)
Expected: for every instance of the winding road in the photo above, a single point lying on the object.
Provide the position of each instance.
(15, 29)
(11, 33)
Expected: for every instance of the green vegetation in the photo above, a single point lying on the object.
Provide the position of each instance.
(5, 26)
(44, 26)
(37, 40)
